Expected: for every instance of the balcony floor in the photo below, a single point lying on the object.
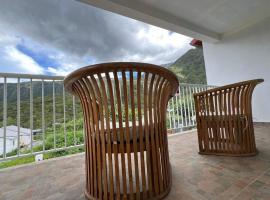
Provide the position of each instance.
(194, 176)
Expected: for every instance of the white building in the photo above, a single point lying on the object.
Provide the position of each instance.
(235, 35)
(12, 138)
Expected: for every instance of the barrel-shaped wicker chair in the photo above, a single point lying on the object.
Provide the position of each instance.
(124, 107)
(224, 120)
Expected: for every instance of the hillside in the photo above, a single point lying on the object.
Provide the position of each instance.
(25, 90)
(190, 67)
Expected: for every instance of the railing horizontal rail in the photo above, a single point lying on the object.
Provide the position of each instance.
(29, 76)
(42, 152)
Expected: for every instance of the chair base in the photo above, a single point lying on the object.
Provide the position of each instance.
(158, 197)
(230, 154)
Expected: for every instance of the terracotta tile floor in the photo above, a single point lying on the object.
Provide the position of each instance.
(194, 176)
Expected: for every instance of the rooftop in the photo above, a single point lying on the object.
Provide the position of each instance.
(194, 176)
(12, 131)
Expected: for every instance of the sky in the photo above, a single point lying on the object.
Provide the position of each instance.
(55, 37)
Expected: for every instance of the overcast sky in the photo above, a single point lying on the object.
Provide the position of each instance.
(57, 36)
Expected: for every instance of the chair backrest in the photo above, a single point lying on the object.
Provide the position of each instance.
(233, 99)
(123, 94)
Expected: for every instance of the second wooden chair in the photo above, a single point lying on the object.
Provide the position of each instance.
(224, 120)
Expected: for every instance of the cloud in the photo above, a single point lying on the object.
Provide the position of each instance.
(12, 60)
(82, 35)
(53, 61)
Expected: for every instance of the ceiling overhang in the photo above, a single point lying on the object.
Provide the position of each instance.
(155, 17)
(207, 20)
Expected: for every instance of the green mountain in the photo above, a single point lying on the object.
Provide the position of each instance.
(190, 67)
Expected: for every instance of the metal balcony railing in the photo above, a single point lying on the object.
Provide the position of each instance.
(37, 115)
(181, 109)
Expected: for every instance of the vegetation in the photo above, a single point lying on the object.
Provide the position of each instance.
(190, 67)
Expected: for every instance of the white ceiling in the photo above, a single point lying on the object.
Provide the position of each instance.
(208, 20)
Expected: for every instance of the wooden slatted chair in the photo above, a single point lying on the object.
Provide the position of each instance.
(124, 107)
(224, 120)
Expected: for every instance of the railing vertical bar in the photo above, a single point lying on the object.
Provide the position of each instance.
(64, 112)
(83, 131)
(31, 115)
(189, 108)
(200, 89)
(74, 120)
(185, 108)
(170, 119)
(173, 115)
(43, 116)
(191, 104)
(18, 115)
(5, 116)
(188, 105)
(54, 118)
(180, 102)
(194, 91)
(197, 89)
(177, 109)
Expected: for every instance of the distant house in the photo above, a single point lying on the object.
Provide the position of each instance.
(37, 131)
(12, 138)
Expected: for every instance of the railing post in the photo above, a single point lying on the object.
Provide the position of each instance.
(18, 116)
(54, 120)
(173, 116)
(177, 109)
(180, 102)
(74, 118)
(64, 112)
(5, 116)
(43, 115)
(31, 114)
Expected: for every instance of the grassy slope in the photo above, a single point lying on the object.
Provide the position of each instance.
(190, 67)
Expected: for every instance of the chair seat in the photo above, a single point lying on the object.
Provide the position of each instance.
(126, 135)
(224, 118)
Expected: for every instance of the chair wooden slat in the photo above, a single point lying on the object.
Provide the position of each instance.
(141, 137)
(134, 134)
(147, 136)
(109, 143)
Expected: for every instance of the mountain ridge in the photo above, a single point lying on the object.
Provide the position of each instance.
(190, 67)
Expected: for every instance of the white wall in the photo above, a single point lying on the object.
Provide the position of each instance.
(242, 56)
(11, 144)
